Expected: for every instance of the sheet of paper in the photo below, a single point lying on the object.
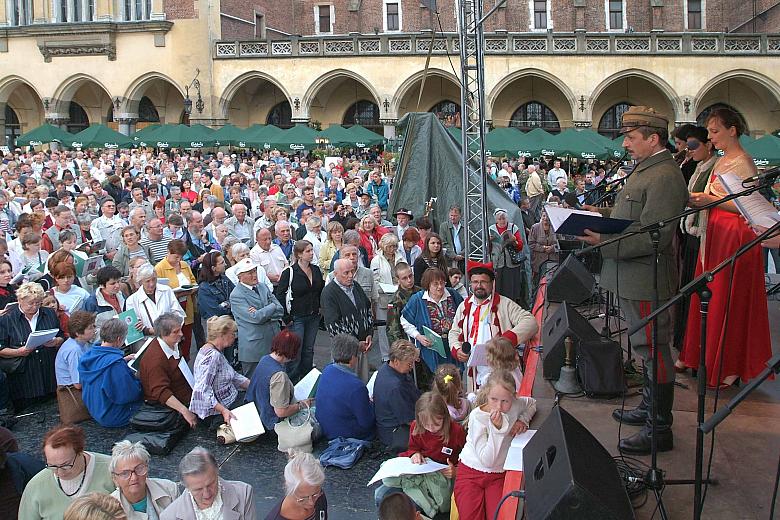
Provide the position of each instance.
(186, 372)
(370, 385)
(754, 207)
(388, 288)
(305, 387)
(514, 458)
(404, 466)
(558, 214)
(247, 422)
(39, 337)
(478, 356)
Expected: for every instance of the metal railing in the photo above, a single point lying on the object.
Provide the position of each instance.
(405, 44)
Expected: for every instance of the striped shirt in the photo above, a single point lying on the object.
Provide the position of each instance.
(158, 248)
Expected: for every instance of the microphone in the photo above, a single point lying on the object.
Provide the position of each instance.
(466, 347)
(769, 174)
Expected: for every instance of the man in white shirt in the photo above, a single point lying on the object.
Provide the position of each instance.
(108, 227)
(269, 256)
(555, 173)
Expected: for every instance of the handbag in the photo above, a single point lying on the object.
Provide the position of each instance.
(343, 452)
(159, 443)
(71, 406)
(298, 431)
(152, 417)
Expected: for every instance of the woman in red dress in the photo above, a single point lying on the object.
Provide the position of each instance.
(738, 324)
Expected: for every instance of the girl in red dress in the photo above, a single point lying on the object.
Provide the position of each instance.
(738, 343)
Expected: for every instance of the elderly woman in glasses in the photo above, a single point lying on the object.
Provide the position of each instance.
(31, 371)
(70, 473)
(304, 497)
(207, 493)
(141, 496)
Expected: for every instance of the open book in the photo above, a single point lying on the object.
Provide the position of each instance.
(754, 207)
(568, 221)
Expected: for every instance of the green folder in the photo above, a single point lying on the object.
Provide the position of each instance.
(131, 319)
(437, 341)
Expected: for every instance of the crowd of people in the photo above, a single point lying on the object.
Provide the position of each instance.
(199, 282)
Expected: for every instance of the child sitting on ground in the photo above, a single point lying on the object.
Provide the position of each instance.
(500, 416)
(436, 437)
(448, 384)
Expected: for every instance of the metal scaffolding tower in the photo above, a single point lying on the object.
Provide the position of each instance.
(472, 102)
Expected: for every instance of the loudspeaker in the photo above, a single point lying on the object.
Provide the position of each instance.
(572, 282)
(569, 474)
(565, 322)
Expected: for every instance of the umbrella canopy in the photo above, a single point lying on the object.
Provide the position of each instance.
(503, 141)
(456, 132)
(365, 137)
(299, 137)
(230, 135)
(581, 144)
(44, 134)
(537, 142)
(260, 136)
(765, 151)
(339, 136)
(100, 136)
(182, 136)
(140, 136)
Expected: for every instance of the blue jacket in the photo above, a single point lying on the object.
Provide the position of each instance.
(416, 312)
(109, 389)
(343, 408)
(211, 294)
(395, 396)
(380, 191)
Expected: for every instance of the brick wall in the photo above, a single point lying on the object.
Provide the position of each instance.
(297, 16)
(179, 9)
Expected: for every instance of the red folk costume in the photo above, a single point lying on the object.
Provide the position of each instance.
(737, 324)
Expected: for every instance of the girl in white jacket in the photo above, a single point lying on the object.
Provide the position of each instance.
(500, 416)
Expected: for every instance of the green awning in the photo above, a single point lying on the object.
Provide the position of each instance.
(182, 136)
(100, 136)
(366, 137)
(339, 137)
(300, 137)
(765, 151)
(230, 135)
(504, 141)
(260, 136)
(44, 134)
(582, 144)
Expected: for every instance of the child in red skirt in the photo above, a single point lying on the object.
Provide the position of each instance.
(500, 416)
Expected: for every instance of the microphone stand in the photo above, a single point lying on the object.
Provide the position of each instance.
(655, 478)
(699, 286)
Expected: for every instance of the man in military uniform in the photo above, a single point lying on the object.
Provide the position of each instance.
(656, 190)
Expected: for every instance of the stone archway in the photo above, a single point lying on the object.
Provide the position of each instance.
(25, 102)
(530, 86)
(160, 95)
(755, 97)
(634, 87)
(86, 92)
(251, 98)
(330, 96)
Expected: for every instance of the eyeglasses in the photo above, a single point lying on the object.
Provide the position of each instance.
(140, 471)
(63, 467)
(312, 498)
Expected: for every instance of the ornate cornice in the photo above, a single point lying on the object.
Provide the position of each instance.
(50, 50)
(54, 29)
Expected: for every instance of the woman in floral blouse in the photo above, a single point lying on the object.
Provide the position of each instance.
(434, 307)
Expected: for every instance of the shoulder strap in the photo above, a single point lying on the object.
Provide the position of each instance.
(289, 296)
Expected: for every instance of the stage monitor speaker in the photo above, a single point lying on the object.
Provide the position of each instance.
(565, 322)
(572, 282)
(569, 474)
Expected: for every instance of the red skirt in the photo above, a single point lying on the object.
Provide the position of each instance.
(737, 330)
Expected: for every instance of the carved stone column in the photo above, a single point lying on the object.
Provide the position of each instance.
(389, 127)
(127, 123)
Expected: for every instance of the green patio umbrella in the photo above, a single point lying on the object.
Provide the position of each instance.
(183, 136)
(44, 134)
(140, 136)
(580, 144)
(456, 132)
(765, 151)
(366, 137)
(260, 136)
(537, 142)
(745, 140)
(100, 136)
(299, 137)
(339, 137)
(230, 135)
(504, 141)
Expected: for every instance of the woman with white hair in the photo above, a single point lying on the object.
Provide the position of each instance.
(239, 251)
(383, 267)
(304, 497)
(141, 496)
(208, 496)
(509, 259)
(152, 299)
(315, 236)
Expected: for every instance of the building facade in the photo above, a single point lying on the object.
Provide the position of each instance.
(549, 63)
